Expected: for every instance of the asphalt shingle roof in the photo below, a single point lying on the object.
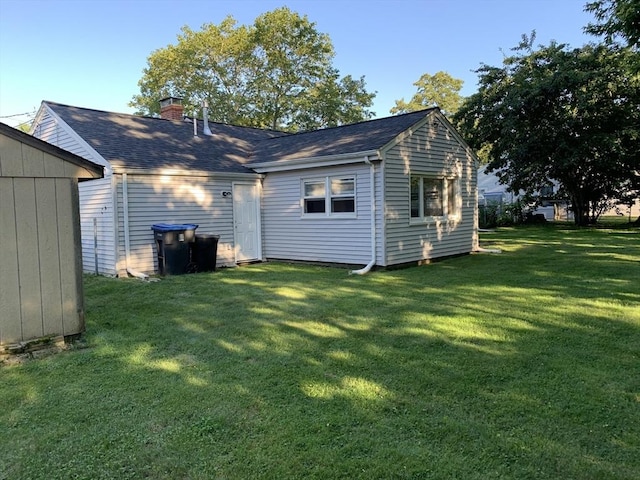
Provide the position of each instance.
(357, 137)
(150, 143)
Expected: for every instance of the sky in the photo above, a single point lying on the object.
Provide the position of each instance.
(91, 53)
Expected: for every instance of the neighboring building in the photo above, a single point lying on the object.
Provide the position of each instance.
(492, 192)
(41, 282)
(382, 192)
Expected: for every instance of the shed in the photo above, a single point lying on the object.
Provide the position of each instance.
(41, 292)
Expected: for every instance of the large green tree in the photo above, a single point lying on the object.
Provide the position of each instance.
(438, 90)
(561, 115)
(276, 73)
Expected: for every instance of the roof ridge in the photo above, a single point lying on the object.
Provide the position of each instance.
(49, 102)
(371, 120)
(288, 134)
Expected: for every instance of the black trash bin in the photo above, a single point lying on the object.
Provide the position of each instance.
(172, 245)
(204, 252)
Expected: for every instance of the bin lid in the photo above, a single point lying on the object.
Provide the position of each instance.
(173, 227)
(206, 236)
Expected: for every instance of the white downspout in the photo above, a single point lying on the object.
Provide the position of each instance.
(127, 244)
(372, 182)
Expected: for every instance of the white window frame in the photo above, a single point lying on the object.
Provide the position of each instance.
(329, 196)
(450, 199)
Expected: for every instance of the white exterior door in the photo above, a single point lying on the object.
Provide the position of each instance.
(246, 219)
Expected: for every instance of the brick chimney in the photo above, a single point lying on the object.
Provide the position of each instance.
(171, 108)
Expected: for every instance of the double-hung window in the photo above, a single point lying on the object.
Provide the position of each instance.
(329, 196)
(434, 197)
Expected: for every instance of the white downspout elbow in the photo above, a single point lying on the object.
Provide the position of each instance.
(372, 182)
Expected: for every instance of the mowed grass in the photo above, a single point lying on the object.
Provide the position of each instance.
(522, 365)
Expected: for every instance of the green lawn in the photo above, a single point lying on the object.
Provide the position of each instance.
(522, 365)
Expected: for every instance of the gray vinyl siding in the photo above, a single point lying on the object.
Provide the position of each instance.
(288, 235)
(435, 152)
(154, 199)
(96, 198)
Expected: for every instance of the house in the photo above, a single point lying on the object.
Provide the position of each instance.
(382, 192)
(492, 192)
(41, 293)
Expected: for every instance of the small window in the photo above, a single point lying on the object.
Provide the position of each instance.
(433, 197)
(314, 196)
(432, 194)
(343, 195)
(329, 195)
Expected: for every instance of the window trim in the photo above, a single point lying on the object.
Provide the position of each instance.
(450, 188)
(328, 196)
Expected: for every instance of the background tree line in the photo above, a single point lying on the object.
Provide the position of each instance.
(549, 114)
(276, 73)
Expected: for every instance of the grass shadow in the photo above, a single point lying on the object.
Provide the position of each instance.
(518, 365)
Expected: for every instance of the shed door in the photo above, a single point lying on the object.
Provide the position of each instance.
(246, 216)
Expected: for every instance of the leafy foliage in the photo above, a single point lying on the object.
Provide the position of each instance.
(557, 114)
(276, 73)
(616, 18)
(438, 90)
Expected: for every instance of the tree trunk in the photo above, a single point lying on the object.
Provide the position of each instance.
(580, 212)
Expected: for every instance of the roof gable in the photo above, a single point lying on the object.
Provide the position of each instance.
(22, 155)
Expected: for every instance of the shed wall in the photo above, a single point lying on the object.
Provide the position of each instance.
(41, 281)
(290, 235)
(436, 151)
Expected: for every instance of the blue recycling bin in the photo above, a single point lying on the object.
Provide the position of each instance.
(173, 246)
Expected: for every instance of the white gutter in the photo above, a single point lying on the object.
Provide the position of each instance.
(309, 162)
(372, 180)
(127, 244)
(250, 176)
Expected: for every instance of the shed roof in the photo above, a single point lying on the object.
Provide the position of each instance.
(22, 155)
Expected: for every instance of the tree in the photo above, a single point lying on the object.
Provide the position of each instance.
(334, 101)
(265, 75)
(562, 115)
(616, 18)
(438, 90)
